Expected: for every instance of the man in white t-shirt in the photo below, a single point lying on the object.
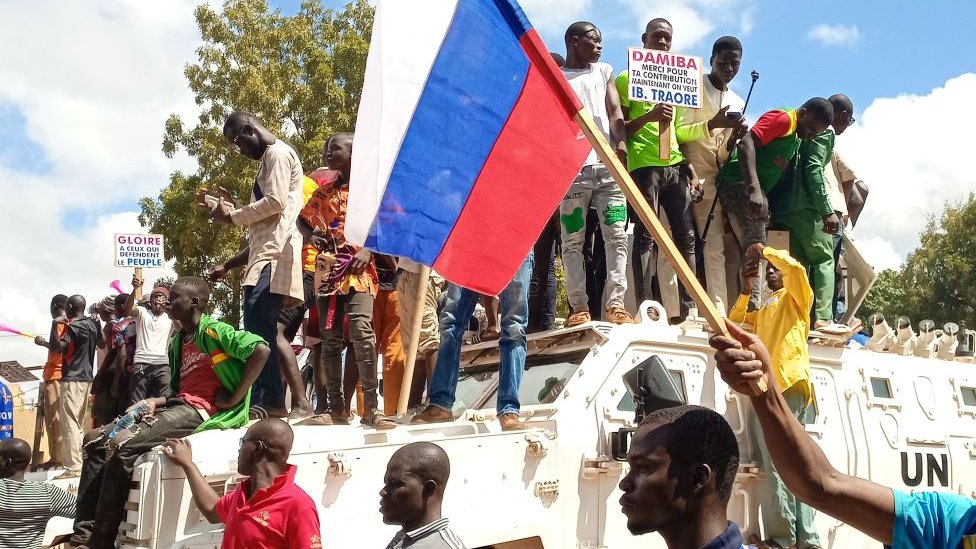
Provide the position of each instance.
(150, 375)
(707, 155)
(594, 186)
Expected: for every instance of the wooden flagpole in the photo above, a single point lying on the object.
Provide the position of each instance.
(415, 321)
(653, 224)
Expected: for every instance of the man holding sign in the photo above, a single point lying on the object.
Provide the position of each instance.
(653, 157)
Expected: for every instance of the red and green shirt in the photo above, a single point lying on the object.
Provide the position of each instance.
(227, 350)
(776, 133)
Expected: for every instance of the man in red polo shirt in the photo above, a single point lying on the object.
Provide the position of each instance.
(268, 510)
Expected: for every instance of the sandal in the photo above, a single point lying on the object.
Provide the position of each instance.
(317, 419)
(490, 334)
(378, 421)
(618, 315)
(575, 319)
(257, 412)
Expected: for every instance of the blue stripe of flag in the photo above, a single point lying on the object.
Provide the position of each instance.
(476, 80)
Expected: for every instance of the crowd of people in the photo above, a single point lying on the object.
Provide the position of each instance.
(166, 369)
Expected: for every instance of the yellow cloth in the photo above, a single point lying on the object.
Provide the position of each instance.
(783, 322)
(309, 252)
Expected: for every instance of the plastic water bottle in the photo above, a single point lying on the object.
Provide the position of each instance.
(128, 420)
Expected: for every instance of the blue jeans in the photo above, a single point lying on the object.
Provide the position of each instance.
(261, 310)
(459, 305)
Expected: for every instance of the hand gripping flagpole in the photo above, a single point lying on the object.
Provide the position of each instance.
(418, 314)
(653, 224)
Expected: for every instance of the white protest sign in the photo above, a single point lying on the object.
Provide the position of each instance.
(139, 250)
(664, 77)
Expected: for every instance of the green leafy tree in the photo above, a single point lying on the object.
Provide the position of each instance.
(301, 75)
(938, 279)
(886, 296)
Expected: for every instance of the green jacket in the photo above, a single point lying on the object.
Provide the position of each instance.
(803, 187)
(229, 349)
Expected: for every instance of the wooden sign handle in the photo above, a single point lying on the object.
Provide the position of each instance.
(705, 305)
(664, 139)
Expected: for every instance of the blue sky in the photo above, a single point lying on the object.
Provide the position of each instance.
(901, 48)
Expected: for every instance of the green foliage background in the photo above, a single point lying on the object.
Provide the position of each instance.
(300, 75)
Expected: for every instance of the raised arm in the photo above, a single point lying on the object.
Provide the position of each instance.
(804, 468)
(179, 452)
(134, 297)
(795, 278)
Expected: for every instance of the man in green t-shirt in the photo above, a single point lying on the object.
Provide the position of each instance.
(665, 183)
(758, 163)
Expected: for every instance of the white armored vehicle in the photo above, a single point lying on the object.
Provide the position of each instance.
(895, 418)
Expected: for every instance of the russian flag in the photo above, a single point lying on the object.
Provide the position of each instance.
(465, 139)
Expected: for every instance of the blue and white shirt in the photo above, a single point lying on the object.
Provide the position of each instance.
(435, 535)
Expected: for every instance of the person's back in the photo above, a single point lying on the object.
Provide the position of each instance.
(25, 506)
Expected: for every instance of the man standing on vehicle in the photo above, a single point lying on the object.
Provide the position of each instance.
(592, 82)
(784, 323)
(683, 461)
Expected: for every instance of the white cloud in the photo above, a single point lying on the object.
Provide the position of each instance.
(693, 20)
(835, 35)
(911, 173)
(554, 15)
(879, 253)
(94, 90)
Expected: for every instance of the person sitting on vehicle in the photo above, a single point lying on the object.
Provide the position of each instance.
(683, 461)
(291, 519)
(932, 520)
(784, 322)
(25, 507)
(412, 494)
(213, 368)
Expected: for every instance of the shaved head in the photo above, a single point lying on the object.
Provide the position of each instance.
(413, 487)
(840, 101)
(277, 434)
(15, 456)
(76, 305)
(239, 119)
(426, 460)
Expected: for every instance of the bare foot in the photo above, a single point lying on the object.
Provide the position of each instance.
(820, 324)
(300, 412)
